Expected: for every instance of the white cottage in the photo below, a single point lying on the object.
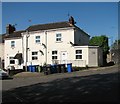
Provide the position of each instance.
(13, 48)
(60, 42)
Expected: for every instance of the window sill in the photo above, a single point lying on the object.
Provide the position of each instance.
(59, 41)
(37, 43)
(35, 60)
(12, 47)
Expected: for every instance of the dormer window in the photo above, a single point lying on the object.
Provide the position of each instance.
(12, 43)
(37, 39)
(58, 37)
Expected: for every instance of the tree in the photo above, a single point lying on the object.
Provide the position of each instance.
(116, 44)
(101, 41)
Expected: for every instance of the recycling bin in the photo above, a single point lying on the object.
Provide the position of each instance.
(58, 68)
(54, 68)
(37, 69)
(47, 69)
(63, 68)
(32, 68)
(69, 67)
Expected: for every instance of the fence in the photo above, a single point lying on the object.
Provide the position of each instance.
(77, 63)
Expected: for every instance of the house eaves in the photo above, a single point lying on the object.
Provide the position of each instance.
(14, 35)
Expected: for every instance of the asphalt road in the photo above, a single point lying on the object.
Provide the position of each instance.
(93, 85)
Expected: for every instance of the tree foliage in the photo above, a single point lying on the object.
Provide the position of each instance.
(101, 41)
(116, 44)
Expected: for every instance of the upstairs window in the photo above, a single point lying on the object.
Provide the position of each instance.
(37, 39)
(12, 43)
(58, 37)
(54, 55)
(78, 54)
(34, 55)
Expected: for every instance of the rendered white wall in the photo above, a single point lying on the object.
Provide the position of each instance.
(1, 53)
(11, 52)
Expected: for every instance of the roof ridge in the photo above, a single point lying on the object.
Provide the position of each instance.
(49, 23)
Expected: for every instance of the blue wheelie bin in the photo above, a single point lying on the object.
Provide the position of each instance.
(69, 67)
(33, 68)
(30, 68)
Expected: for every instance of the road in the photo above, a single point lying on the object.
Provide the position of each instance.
(93, 85)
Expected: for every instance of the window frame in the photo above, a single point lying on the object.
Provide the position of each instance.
(37, 40)
(12, 43)
(11, 59)
(59, 37)
(35, 55)
(54, 55)
(78, 54)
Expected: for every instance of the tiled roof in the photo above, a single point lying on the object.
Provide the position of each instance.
(49, 26)
(14, 34)
(43, 27)
(18, 56)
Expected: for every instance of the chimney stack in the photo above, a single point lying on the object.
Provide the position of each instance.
(71, 20)
(10, 29)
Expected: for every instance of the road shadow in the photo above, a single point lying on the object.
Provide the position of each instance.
(6, 78)
(92, 88)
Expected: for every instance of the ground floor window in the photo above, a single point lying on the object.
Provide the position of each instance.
(12, 61)
(35, 55)
(54, 55)
(78, 54)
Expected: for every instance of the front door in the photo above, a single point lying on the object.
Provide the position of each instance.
(63, 57)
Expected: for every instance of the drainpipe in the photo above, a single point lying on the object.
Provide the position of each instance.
(46, 46)
(22, 48)
(27, 35)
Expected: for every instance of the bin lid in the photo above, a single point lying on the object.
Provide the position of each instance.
(54, 65)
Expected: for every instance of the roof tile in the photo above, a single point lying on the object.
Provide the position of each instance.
(49, 26)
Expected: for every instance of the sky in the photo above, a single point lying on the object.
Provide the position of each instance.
(95, 18)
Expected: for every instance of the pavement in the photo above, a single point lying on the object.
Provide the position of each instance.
(93, 85)
(89, 71)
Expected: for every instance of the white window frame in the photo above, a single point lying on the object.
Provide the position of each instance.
(34, 55)
(11, 59)
(58, 37)
(12, 44)
(37, 40)
(78, 53)
(54, 55)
